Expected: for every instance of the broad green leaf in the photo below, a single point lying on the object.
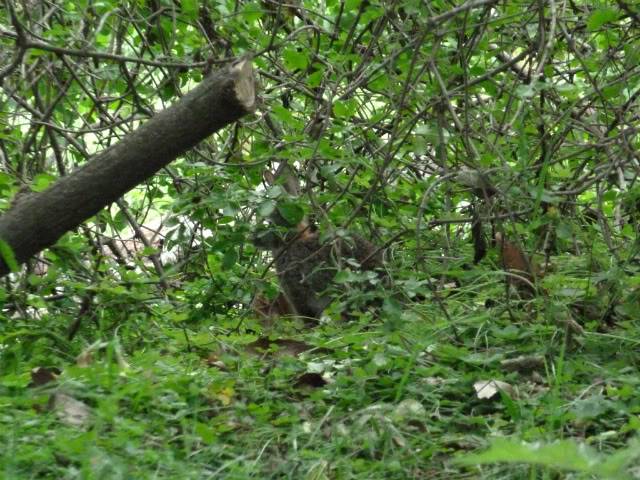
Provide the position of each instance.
(292, 212)
(294, 59)
(42, 181)
(344, 109)
(314, 79)
(266, 208)
(230, 258)
(252, 12)
(6, 252)
(602, 16)
(560, 455)
(564, 454)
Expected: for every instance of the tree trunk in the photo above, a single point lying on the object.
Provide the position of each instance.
(38, 220)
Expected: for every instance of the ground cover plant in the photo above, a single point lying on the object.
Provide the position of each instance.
(483, 153)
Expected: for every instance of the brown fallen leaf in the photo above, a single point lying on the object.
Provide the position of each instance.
(42, 375)
(489, 388)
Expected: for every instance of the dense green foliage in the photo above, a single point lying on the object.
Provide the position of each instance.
(388, 111)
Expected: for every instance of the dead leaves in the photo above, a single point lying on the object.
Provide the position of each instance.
(486, 389)
(67, 408)
(283, 347)
(70, 411)
(531, 367)
(42, 375)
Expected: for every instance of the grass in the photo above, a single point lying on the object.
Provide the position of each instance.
(391, 398)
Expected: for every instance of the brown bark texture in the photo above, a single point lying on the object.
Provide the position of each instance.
(38, 220)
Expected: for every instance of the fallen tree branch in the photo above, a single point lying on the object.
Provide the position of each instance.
(37, 220)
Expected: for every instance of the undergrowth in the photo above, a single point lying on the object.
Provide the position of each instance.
(398, 393)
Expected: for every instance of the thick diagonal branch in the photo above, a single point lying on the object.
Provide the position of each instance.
(38, 220)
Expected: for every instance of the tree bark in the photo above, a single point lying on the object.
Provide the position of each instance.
(38, 220)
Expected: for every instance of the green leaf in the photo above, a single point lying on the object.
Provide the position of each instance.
(147, 251)
(371, 13)
(350, 5)
(6, 252)
(591, 407)
(205, 432)
(511, 407)
(564, 455)
(213, 262)
(42, 181)
(525, 91)
(252, 12)
(295, 60)
(612, 91)
(119, 221)
(291, 212)
(283, 115)
(5, 180)
(314, 79)
(179, 317)
(560, 455)
(602, 16)
(344, 109)
(266, 208)
(565, 230)
(381, 82)
(230, 258)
